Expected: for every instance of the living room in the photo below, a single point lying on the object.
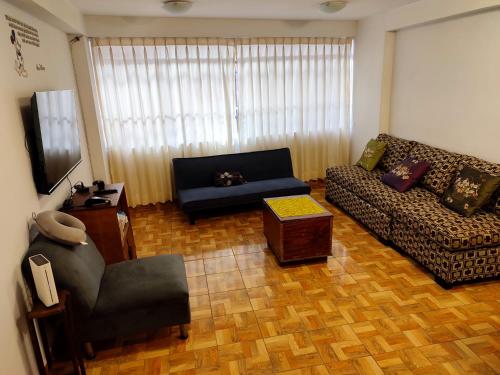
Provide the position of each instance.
(236, 200)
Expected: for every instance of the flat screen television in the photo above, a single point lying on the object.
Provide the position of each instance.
(53, 138)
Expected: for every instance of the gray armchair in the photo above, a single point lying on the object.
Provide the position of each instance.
(117, 299)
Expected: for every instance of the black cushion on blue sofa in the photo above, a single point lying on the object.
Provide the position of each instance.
(268, 174)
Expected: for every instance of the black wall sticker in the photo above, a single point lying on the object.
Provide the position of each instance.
(21, 34)
(19, 61)
(27, 33)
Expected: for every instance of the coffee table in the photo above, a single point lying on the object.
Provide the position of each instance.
(297, 227)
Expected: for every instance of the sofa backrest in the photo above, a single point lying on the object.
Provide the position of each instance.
(487, 167)
(78, 269)
(197, 172)
(396, 150)
(444, 164)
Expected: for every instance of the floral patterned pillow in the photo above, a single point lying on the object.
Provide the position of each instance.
(470, 190)
(373, 152)
(406, 174)
(224, 179)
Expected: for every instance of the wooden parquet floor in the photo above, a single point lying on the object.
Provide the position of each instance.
(366, 310)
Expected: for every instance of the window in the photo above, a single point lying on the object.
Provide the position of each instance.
(163, 98)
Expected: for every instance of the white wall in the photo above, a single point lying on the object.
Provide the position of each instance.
(367, 86)
(373, 102)
(18, 198)
(112, 26)
(62, 14)
(446, 85)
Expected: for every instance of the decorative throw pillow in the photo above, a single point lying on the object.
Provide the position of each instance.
(470, 190)
(406, 174)
(224, 179)
(372, 154)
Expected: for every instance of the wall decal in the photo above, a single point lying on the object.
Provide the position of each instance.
(19, 62)
(22, 33)
(28, 34)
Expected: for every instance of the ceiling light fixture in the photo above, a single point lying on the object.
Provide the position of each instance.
(333, 6)
(177, 6)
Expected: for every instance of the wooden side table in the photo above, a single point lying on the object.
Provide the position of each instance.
(296, 234)
(41, 312)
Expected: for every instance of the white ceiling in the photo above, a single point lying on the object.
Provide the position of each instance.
(259, 9)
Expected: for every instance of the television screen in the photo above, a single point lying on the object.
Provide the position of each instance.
(55, 146)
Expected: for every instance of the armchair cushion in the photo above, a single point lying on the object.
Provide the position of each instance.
(142, 283)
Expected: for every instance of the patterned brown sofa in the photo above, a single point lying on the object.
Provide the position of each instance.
(453, 247)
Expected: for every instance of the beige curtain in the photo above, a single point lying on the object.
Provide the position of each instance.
(296, 93)
(162, 98)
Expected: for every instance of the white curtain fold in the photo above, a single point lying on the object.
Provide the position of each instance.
(162, 98)
(297, 94)
(159, 101)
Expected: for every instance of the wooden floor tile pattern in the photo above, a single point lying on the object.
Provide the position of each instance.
(366, 310)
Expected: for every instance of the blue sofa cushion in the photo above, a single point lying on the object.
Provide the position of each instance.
(199, 172)
(252, 192)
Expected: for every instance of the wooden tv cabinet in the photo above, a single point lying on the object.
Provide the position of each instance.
(102, 224)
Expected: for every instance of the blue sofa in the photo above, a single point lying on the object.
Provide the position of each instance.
(268, 174)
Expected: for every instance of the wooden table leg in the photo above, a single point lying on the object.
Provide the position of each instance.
(36, 347)
(45, 342)
(76, 358)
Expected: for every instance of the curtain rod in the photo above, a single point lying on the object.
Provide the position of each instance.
(207, 40)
